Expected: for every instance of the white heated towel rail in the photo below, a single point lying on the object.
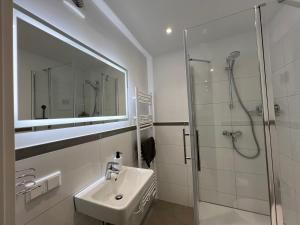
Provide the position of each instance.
(144, 121)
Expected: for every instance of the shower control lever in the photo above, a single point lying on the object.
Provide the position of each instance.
(233, 134)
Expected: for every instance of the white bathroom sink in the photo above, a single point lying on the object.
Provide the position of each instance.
(99, 199)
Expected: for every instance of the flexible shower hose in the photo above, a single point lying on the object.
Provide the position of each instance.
(250, 119)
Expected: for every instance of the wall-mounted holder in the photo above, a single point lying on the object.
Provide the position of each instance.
(32, 188)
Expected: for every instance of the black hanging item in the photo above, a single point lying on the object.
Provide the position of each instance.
(148, 150)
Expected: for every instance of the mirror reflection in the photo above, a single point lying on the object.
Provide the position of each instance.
(57, 80)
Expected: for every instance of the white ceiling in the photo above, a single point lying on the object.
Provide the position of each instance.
(148, 19)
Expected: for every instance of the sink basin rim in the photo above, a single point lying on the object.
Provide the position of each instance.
(86, 194)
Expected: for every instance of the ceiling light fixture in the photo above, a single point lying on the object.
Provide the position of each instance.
(74, 8)
(169, 31)
(212, 70)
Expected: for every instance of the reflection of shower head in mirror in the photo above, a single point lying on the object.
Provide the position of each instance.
(106, 77)
(232, 57)
(78, 3)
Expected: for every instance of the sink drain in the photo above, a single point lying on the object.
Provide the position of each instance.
(119, 197)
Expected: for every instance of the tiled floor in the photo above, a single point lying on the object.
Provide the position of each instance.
(165, 213)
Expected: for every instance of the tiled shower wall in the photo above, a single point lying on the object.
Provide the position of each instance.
(226, 177)
(283, 38)
(174, 176)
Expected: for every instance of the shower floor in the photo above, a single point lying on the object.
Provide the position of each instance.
(165, 213)
(211, 214)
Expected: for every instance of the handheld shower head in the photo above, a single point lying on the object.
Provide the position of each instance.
(232, 57)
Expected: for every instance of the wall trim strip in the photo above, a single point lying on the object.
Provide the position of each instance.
(24, 153)
(27, 152)
(171, 123)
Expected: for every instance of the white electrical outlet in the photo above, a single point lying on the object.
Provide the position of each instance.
(44, 185)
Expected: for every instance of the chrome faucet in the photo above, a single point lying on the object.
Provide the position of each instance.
(233, 134)
(110, 169)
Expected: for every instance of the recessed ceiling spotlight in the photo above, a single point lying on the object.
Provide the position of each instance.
(212, 70)
(169, 30)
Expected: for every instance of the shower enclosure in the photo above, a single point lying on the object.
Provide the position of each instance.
(52, 92)
(240, 101)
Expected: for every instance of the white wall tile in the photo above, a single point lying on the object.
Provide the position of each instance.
(253, 205)
(218, 180)
(238, 114)
(291, 43)
(249, 88)
(276, 56)
(294, 108)
(254, 166)
(212, 113)
(79, 166)
(173, 193)
(280, 81)
(252, 186)
(172, 173)
(169, 135)
(246, 140)
(217, 158)
(211, 136)
(212, 196)
(63, 213)
(293, 81)
(170, 154)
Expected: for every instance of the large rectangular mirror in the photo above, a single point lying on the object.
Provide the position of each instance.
(59, 80)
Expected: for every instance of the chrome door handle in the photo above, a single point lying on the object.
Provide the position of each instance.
(184, 146)
(198, 151)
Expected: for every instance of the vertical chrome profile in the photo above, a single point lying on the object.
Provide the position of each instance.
(49, 74)
(192, 132)
(184, 134)
(33, 95)
(269, 127)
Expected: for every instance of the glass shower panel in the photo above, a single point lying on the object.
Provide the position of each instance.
(227, 105)
(40, 94)
(281, 26)
(62, 91)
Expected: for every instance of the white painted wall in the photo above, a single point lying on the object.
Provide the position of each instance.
(170, 95)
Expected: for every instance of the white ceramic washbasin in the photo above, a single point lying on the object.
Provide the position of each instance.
(98, 200)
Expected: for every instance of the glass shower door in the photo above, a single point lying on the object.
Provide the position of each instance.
(226, 121)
